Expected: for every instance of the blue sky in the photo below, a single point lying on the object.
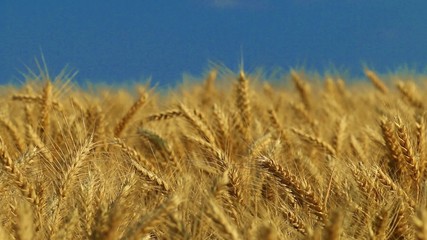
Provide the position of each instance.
(131, 40)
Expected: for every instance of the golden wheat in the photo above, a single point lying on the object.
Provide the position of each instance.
(326, 159)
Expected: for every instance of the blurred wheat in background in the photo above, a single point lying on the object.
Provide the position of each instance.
(233, 156)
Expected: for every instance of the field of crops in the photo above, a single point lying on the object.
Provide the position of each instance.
(231, 156)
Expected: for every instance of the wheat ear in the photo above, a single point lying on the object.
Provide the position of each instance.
(392, 143)
(161, 145)
(89, 205)
(222, 222)
(341, 87)
(235, 185)
(421, 145)
(198, 124)
(409, 95)
(77, 163)
(302, 191)
(35, 139)
(36, 99)
(151, 176)
(338, 139)
(265, 231)
(149, 222)
(317, 141)
(257, 148)
(357, 149)
(209, 90)
(25, 227)
(388, 182)
(380, 224)
(295, 221)
(163, 116)
(100, 126)
(29, 115)
(68, 180)
(376, 81)
(407, 151)
(274, 120)
(19, 143)
(420, 223)
(135, 161)
(333, 230)
(223, 127)
(303, 89)
(364, 182)
(400, 225)
(219, 155)
(134, 154)
(243, 101)
(129, 114)
(46, 106)
(302, 111)
(27, 189)
(329, 86)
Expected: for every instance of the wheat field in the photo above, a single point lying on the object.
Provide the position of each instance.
(231, 156)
